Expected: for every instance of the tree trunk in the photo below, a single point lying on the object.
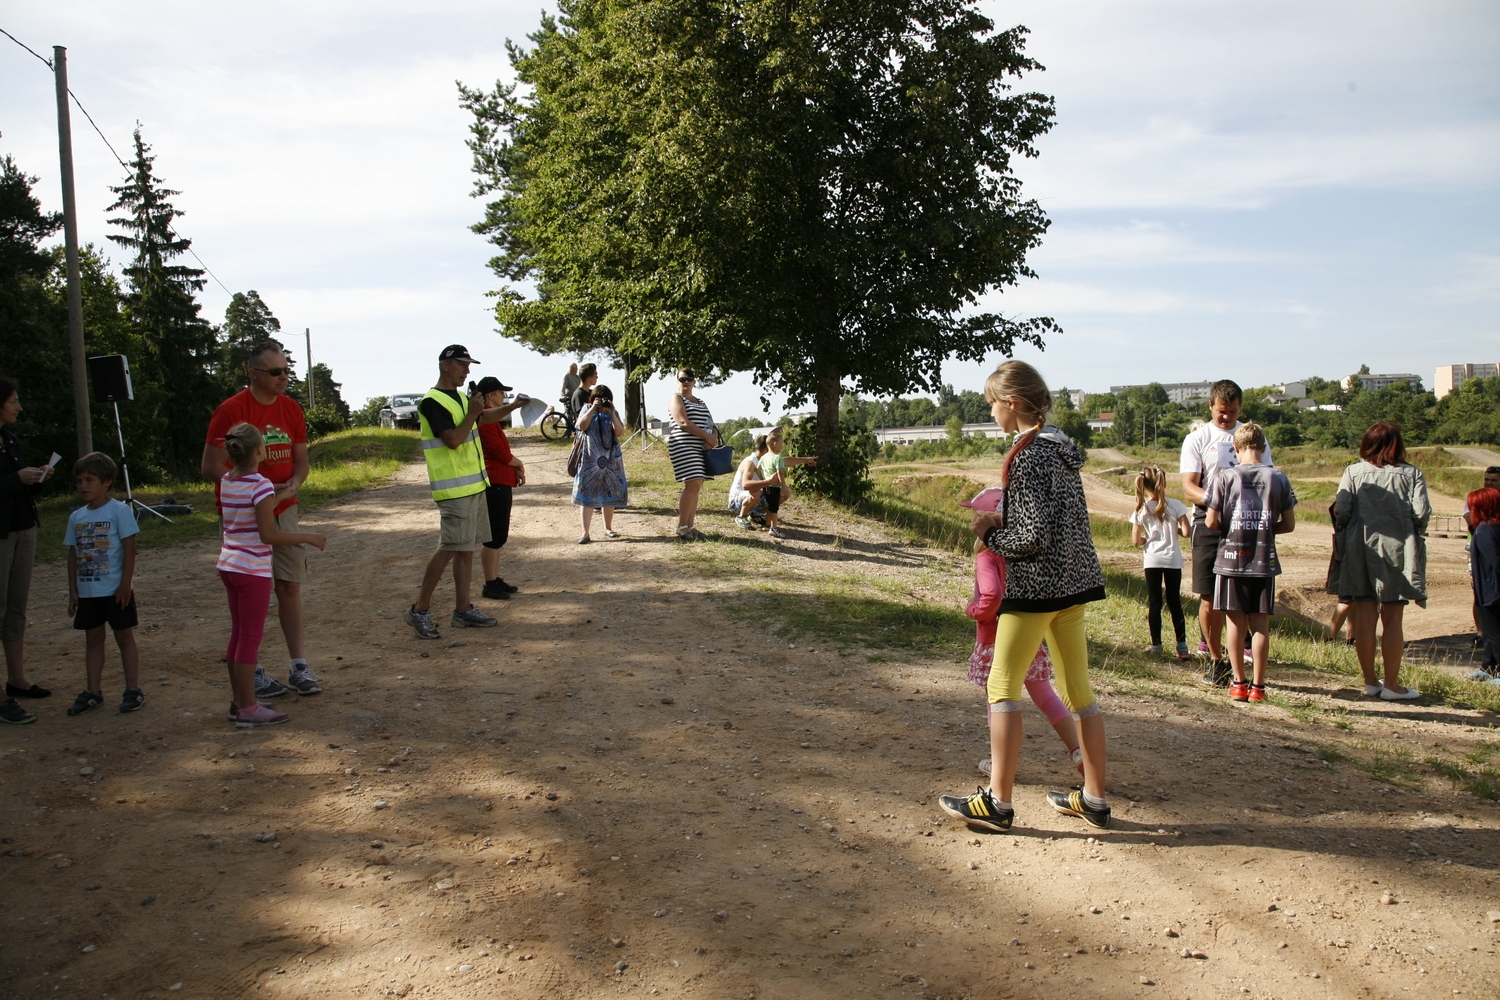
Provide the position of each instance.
(829, 394)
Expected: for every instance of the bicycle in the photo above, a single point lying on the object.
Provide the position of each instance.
(557, 426)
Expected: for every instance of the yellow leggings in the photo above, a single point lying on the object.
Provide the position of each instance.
(1016, 640)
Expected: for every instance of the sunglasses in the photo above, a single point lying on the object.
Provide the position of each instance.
(273, 372)
(682, 378)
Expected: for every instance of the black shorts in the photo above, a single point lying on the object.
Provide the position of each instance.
(497, 498)
(1254, 595)
(1205, 551)
(772, 496)
(96, 611)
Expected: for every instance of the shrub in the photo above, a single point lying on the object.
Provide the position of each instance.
(324, 420)
(845, 477)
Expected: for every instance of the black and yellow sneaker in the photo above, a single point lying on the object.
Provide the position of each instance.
(978, 810)
(1071, 803)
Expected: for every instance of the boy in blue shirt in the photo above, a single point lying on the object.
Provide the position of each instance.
(101, 569)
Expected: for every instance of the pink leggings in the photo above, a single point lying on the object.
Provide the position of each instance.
(989, 588)
(249, 600)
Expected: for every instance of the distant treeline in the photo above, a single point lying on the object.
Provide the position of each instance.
(182, 365)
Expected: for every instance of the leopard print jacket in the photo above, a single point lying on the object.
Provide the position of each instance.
(1046, 541)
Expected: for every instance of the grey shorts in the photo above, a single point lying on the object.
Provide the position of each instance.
(465, 523)
(289, 562)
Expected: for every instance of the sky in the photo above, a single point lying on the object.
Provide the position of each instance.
(1259, 191)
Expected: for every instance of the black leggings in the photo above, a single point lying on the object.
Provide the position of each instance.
(497, 498)
(1172, 578)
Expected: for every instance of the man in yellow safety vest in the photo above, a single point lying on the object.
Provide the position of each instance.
(455, 473)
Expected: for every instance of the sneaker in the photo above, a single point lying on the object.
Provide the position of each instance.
(422, 622)
(1077, 757)
(744, 522)
(14, 714)
(132, 700)
(260, 715)
(1153, 650)
(758, 519)
(978, 810)
(268, 687)
(1218, 674)
(234, 710)
(1480, 674)
(473, 618)
(303, 680)
(1257, 692)
(85, 701)
(1072, 804)
(494, 590)
(1239, 691)
(1202, 647)
(776, 532)
(509, 588)
(984, 766)
(1182, 652)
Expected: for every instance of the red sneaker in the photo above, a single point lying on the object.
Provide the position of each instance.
(1239, 691)
(1257, 692)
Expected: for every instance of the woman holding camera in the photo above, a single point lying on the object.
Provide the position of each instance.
(600, 480)
(19, 484)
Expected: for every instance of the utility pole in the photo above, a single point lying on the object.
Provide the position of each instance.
(70, 244)
(307, 332)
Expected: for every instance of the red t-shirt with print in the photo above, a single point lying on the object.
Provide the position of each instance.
(281, 425)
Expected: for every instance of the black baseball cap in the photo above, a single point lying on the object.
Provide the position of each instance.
(456, 352)
(490, 384)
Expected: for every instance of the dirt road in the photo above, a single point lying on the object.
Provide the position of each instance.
(624, 791)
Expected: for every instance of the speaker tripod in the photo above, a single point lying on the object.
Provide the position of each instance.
(125, 471)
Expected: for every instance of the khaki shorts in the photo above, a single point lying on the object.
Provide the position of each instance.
(465, 523)
(289, 562)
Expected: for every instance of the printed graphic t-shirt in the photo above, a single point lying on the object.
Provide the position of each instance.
(98, 539)
(243, 551)
(281, 425)
(1209, 448)
(1249, 499)
(1161, 550)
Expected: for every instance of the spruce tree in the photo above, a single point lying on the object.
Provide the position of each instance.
(178, 350)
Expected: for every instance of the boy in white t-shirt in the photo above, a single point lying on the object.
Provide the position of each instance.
(1204, 451)
(1155, 525)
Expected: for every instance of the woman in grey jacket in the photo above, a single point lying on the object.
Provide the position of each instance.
(1381, 516)
(1052, 571)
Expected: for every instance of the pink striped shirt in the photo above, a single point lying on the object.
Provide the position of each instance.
(243, 551)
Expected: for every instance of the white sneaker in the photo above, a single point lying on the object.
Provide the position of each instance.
(1410, 694)
(1494, 680)
(1479, 674)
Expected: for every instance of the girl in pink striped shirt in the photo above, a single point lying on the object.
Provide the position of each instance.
(247, 504)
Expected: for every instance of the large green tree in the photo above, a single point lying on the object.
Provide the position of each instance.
(177, 347)
(815, 191)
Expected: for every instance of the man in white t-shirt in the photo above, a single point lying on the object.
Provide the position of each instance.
(1208, 448)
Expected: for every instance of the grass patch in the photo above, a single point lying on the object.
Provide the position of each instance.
(1482, 782)
(848, 610)
(1391, 765)
(340, 464)
(1329, 755)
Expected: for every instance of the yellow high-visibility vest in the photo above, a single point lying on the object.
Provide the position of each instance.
(452, 472)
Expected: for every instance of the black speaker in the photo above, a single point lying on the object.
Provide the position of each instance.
(110, 374)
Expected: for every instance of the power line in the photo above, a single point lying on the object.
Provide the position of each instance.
(110, 146)
(28, 48)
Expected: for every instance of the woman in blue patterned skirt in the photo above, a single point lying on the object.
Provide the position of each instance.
(600, 480)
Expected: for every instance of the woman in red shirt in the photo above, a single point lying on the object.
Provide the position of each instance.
(506, 472)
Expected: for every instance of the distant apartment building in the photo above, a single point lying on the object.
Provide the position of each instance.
(932, 432)
(1177, 392)
(1102, 422)
(1374, 383)
(1077, 396)
(1450, 377)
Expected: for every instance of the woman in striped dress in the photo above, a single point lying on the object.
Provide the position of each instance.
(692, 433)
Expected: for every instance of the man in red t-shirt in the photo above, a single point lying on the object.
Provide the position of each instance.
(505, 472)
(280, 421)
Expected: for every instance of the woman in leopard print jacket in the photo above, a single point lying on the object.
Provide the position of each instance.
(1042, 531)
